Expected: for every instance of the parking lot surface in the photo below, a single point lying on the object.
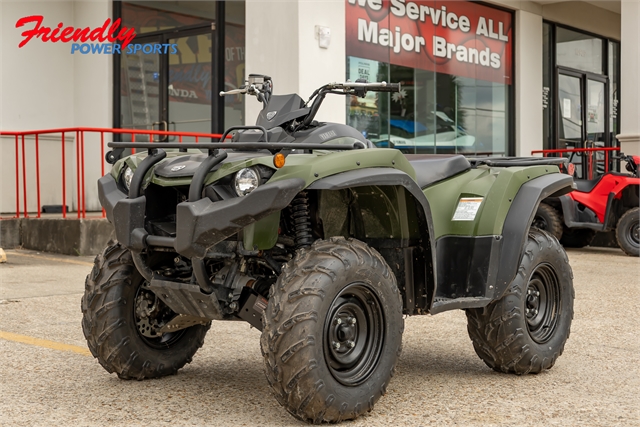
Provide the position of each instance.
(48, 378)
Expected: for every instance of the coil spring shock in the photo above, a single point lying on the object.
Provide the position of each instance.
(301, 219)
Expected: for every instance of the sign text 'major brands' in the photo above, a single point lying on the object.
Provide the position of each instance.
(460, 38)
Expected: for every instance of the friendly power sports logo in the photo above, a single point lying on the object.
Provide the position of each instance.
(112, 37)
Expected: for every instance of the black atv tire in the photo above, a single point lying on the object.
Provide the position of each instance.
(508, 335)
(577, 237)
(548, 219)
(628, 232)
(110, 327)
(333, 279)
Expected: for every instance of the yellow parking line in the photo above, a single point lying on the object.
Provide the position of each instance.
(68, 261)
(24, 339)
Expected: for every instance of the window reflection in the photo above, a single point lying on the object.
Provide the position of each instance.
(150, 16)
(433, 113)
(579, 51)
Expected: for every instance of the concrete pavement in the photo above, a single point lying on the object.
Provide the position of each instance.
(440, 380)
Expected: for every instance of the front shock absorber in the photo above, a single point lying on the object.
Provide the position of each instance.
(301, 219)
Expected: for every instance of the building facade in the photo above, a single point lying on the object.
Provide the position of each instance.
(478, 78)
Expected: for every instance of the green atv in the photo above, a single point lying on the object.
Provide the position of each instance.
(323, 242)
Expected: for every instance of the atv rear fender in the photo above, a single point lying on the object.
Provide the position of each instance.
(516, 228)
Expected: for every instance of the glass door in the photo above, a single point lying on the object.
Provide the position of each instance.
(582, 119)
(190, 83)
(170, 90)
(140, 94)
(597, 135)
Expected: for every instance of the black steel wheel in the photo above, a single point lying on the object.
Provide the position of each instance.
(354, 334)
(332, 331)
(525, 331)
(547, 218)
(121, 321)
(542, 299)
(628, 232)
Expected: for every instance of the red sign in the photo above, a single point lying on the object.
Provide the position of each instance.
(108, 32)
(454, 37)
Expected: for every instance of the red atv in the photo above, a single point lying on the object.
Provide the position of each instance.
(608, 202)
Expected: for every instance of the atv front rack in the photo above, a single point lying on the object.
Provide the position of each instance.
(211, 146)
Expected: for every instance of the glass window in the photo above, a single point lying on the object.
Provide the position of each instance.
(433, 112)
(455, 76)
(149, 16)
(579, 51)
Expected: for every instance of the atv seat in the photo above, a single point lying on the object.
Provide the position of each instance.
(431, 168)
(586, 185)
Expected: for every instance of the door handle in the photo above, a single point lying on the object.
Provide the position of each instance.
(160, 138)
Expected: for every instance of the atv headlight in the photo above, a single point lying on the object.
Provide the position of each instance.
(127, 176)
(245, 181)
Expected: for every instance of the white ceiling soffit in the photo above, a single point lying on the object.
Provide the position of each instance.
(612, 5)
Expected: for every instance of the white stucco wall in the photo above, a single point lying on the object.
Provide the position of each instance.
(528, 68)
(43, 86)
(630, 78)
(281, 43)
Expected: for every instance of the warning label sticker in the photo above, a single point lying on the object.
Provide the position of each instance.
(467, 209)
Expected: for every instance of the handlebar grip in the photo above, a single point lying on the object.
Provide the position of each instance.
(389, 87)
(233, 92)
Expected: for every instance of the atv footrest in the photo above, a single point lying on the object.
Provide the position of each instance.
(185, 298)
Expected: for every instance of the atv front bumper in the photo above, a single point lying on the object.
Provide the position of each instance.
(200, 224)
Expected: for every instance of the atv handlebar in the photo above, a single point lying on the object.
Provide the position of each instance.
(261, 87)
(374, 87)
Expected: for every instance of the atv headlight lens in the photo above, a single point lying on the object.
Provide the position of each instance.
(127, 176)
(245, 181)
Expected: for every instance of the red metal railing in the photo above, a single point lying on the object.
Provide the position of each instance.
(80, 132)
(587, 153)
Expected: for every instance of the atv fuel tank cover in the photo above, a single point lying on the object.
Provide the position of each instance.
(187, 165)
(180, 166)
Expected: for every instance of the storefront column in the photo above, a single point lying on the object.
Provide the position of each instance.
(281, 42)
(630, 76)
(528, 67)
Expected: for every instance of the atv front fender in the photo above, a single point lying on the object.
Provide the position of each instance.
(519, 219)
(415, 270)
(203, 223)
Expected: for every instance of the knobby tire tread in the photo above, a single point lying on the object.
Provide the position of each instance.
(112, 337)
(499, 332)
(288, 346)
